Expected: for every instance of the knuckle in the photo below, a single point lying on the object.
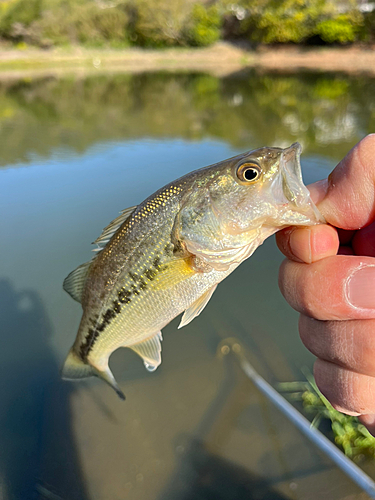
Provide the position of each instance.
(347, 391)
(308, 333)
(310, 303)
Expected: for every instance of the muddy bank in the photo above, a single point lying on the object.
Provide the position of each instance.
(220, 60)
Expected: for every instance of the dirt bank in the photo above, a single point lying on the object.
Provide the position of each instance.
(220, 59)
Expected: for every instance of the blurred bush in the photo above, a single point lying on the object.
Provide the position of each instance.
(83, 22)
(344, 28)
(50, 22)
(298, 21)
(148, 23)
(285, 21)
(159, 23)
(369, 27)
(16, 17)
(205, 25)
(163, 23)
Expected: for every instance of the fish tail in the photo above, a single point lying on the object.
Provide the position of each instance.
(108, 377)
(74, 368)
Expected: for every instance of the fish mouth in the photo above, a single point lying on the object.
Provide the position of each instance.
(290, 157)
(298, 205)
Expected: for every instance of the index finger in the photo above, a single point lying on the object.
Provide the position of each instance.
(347, 197)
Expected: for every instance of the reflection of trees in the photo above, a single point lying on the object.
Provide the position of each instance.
(246, 109)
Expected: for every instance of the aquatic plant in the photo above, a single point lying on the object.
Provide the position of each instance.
(348, 433)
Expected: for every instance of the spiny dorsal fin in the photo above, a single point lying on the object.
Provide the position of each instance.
(74, 283)
(197, 307)
(149, 350)
(110, 230)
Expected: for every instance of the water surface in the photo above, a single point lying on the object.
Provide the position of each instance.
(74, 152)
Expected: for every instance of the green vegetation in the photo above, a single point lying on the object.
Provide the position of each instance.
(163, 23)
(86, 24)
(347, 432)
(328, 114)
(149, 23)
(300, 21)
(204, 26)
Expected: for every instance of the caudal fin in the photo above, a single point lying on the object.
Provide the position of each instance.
(74, 368)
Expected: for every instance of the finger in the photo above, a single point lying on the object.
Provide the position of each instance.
(336, 288)
(349, 198)
(347, 391)
(364, 241)
(308, 244)
(350, 344)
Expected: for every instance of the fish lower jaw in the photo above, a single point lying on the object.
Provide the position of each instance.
(308, 217)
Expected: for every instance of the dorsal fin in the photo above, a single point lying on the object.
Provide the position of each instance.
(110, 230)
(74, 283)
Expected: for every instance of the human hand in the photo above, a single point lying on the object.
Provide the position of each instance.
(335, 294)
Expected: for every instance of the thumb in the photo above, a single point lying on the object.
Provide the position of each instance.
(347, 197)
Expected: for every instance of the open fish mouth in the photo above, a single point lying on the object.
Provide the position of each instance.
(294, 192)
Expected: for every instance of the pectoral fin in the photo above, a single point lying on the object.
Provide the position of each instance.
(149, 350)
(197, 307)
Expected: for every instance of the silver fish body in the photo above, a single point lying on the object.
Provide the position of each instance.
(167, 255)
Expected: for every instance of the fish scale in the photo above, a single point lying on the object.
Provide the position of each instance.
(167, 255)
(171, 290)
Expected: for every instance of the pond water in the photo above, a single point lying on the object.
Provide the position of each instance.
(74, 152)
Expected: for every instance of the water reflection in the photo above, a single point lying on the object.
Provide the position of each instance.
(244, 448)
(327, 113)
(37, 453)
(203, 475)
(234, 445)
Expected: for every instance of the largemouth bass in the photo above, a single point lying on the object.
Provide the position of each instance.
(167, 255)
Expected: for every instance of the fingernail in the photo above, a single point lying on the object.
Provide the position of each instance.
(361, 288)
(368, 419)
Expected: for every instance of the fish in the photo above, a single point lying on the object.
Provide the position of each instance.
(167, 255)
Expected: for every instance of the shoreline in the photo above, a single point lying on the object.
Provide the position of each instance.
(220, 60)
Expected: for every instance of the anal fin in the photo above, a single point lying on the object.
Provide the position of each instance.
(150, 351)
(197, 307)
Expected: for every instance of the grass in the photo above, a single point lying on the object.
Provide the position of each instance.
(348, 433)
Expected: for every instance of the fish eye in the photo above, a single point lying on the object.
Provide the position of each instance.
(249, 172)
